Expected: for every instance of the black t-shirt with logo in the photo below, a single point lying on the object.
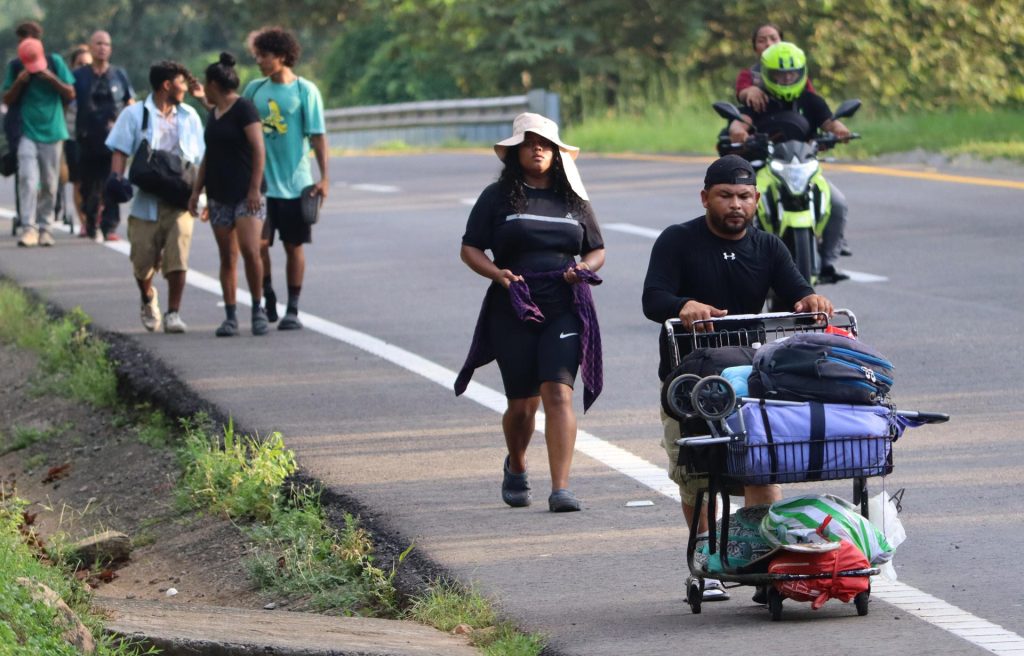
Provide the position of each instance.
(229, 153)
(545, 236)
(688, 261)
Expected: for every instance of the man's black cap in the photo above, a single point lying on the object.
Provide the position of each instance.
(731, 169)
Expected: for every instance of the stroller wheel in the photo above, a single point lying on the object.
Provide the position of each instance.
(861, 602)
(775, 603)
(713, 398)
(676, 395)
(694, 594)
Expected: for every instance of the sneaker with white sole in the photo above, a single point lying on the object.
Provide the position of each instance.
(150, 313)
(29, 238)
(173, 323)
(46, 239)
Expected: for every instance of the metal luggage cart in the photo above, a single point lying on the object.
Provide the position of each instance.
(725, 456)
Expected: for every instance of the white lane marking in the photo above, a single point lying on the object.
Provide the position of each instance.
(984, 634)
(858, 276)
(377, 188)
(631, 229)
(7, 214)
(468, 201)
(973, 629)
(640, 231)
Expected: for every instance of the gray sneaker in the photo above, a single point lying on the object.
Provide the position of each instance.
(563, 501)
(46, 239)
(290, 322)
(229, 328)
(260, 323)
(515, 488)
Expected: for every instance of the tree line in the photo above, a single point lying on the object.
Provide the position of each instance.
(600, 55)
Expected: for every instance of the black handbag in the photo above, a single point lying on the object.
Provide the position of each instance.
(163, 174)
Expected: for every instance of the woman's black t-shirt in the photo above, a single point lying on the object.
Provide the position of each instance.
(229, 153)
(545, 236)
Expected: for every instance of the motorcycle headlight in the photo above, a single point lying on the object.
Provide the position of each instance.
(796, 175)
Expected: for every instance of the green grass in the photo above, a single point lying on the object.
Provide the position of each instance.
(298, 554)
(27, 625)
(689, 125)
(447, 606)
(297, 551)
(72, 362)
(23, 437)
(153, 427)
(239, 477)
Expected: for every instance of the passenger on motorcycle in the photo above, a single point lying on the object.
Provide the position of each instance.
(749, 87)
(784, 74)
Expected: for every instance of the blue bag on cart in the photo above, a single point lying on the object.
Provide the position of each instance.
(811, 441)
(821, 367)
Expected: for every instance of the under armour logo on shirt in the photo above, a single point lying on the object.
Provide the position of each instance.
(729, 256)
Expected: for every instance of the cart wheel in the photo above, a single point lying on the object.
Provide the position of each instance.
(694, 594)
(774, 603)
(713, 398)
(675, 395)
(861, 602)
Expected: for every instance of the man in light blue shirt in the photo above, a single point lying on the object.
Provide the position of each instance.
(160, 234)
(292, 113)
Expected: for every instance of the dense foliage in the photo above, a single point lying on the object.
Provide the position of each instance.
(599, 54)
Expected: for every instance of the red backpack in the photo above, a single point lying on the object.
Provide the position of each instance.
(845, 558)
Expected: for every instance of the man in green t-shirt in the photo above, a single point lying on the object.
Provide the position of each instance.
(37, 86)
(292, 113)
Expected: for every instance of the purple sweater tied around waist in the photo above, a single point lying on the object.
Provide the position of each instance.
(481, 351)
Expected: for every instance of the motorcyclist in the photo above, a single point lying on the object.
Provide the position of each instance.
(749, 87)
(784, 75)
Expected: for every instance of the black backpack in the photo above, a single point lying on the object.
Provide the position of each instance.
(706, 362)
(821, 367)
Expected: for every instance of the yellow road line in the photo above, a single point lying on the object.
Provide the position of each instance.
(925, 175)
(852, 168)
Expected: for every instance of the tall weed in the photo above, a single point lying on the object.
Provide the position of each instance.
(239, 477)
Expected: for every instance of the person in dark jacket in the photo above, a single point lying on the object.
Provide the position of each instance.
(710, 267)
(537, 319)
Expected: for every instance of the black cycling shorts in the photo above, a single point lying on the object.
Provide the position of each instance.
(284, 216)
(531, 353)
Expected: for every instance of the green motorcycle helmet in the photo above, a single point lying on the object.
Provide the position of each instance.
(784, 71)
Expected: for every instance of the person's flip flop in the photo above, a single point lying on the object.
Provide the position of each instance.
(714, 591)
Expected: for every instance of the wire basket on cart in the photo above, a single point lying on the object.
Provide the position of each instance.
(740, 446)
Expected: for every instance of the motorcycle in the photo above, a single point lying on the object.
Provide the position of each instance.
(795, 199)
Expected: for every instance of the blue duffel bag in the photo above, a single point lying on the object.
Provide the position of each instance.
(811, 441)
(821, 367)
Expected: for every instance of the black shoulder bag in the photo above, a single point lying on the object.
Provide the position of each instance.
(163, 174)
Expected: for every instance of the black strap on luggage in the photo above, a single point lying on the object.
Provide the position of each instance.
(816, 448)
(773, 459)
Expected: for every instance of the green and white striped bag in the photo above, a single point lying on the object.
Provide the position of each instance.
(795, 521)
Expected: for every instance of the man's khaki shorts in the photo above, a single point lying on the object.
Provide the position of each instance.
(163, 243)
(688, 484)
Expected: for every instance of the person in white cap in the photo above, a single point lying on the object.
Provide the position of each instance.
(536, 219)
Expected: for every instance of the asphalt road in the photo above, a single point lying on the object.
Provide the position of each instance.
(609, 580)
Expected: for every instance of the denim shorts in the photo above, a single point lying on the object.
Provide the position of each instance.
(224, 215)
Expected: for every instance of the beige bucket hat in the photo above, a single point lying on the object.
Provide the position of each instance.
(545, 127)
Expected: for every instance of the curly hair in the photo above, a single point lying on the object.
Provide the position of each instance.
(513, 187)
(280, 42)
(29, 30)
(163, 71)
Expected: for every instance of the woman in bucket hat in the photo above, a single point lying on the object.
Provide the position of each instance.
(537, 318)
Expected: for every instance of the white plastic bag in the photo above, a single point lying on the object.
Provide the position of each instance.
(883, 514)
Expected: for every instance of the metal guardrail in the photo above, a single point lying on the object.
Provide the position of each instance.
(434, 122)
